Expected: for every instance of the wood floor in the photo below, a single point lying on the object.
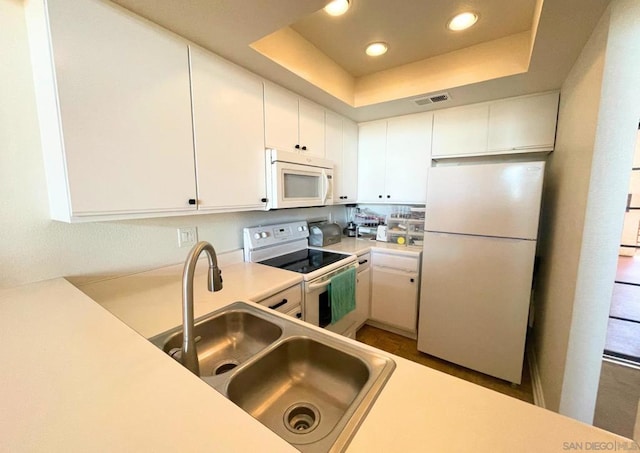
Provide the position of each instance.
(623, 334)
(408, 349)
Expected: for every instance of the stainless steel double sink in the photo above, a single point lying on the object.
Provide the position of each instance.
(311, 389)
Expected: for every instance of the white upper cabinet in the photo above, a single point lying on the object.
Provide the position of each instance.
(527, 123)
(349, 161)
(460, 131)
(292, 123)
(509, 126)
(115, 112)
(372, 145)
(341, 139)
(311, 128)
(408, 157)
(229, 134)
(280, 118)
(394, 159)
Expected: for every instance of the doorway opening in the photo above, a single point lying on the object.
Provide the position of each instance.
(623, 334)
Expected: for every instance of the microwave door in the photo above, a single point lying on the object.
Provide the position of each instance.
(298, 186)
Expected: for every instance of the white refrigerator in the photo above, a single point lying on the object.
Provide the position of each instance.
(477, 265)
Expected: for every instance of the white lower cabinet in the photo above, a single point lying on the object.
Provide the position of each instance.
(287, 301)
(363, 290)
(395, 279)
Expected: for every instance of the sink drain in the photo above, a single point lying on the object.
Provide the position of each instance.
(301, 418)
(225, 366)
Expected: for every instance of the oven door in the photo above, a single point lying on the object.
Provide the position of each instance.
(317, 304)
(295, 185)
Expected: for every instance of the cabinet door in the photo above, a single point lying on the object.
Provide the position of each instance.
(311, 128)
(363, 296)
(394, 298)
(334, 151)
(372, 138)
(408, 158)
(460, 131)
(229, 134)
(349, 182)
(125, 111)
(523, 124)
(280, 118)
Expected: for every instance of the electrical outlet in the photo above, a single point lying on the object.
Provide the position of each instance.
(187, 237)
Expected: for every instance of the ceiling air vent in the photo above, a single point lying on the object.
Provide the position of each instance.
(432, 98)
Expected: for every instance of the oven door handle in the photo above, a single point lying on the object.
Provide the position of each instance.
(314, 286)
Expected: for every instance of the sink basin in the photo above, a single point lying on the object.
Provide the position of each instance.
(307, 386)
(224, 340)
(301, 389)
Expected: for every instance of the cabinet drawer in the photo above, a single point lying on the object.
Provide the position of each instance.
(364, 261)
(296, 312)
(399, 262)
(284, 301)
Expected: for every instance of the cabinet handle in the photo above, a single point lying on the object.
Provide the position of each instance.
(279, 304)
(299, 315)
(412, 280)
(304, 148)
(264, 200)
(192, 201)
(388, 196)
(297, 146)
(379, 196)
(363, 261)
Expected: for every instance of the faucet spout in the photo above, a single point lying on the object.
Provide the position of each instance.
(189, 355)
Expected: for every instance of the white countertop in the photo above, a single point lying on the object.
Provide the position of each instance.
(359, 246)
(151, 302)
(75, 378)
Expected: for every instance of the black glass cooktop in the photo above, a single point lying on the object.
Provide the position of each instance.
(304, 261)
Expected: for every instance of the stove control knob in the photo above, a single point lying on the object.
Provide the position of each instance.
(256, 235)
(264, 234)
(300, 228)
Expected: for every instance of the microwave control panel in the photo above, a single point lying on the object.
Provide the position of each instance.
(262, 236)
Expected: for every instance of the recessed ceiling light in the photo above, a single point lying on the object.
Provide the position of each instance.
(462, 21)
(377, 48)
(337, 7)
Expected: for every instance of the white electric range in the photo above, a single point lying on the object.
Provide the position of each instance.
(285, 246)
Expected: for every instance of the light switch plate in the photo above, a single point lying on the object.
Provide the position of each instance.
(187, 236)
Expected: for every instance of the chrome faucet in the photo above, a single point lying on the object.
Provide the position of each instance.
(189, 355)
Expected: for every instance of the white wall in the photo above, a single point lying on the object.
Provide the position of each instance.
(32, 247)
(584, 205)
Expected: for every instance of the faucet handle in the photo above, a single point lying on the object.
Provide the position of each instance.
(215, 279)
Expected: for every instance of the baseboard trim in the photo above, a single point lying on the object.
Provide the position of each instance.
(536, 381)
(404, 333)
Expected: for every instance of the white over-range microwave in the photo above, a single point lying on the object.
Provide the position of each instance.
(298, 180)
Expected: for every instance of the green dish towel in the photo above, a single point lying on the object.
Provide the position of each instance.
(342, 291)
